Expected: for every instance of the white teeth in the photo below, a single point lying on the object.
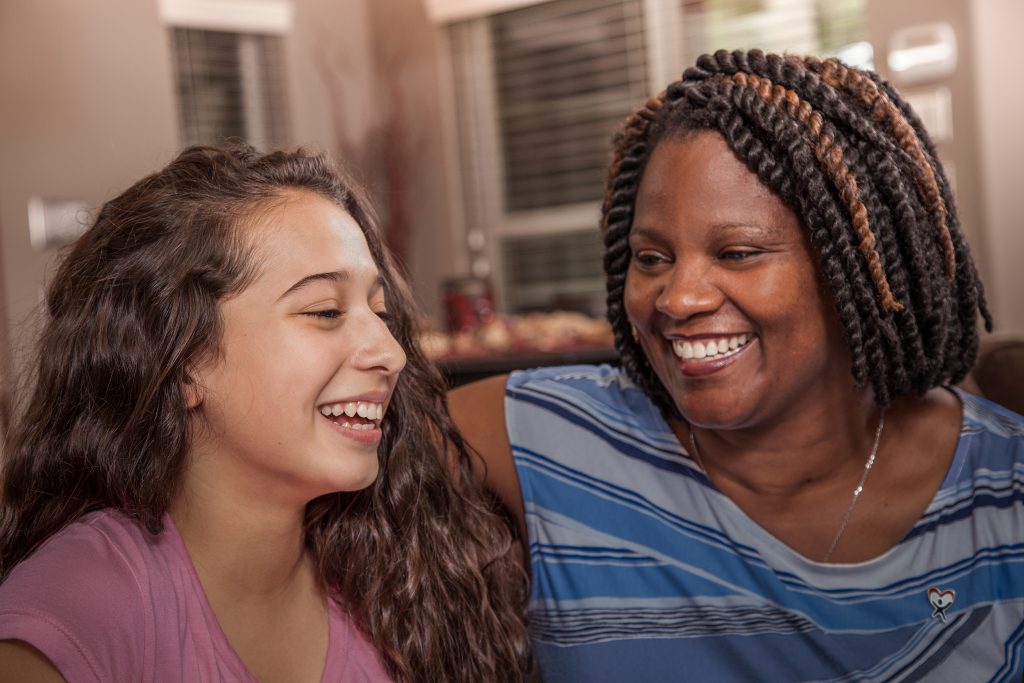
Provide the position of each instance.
(362, 426)
(726, 346)
(365, 409)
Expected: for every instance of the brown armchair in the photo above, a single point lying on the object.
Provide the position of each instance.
(998, 374)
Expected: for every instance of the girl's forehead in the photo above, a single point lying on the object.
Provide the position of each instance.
(307, 233)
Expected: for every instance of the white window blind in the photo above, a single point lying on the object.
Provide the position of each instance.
(555, 271)
(566, 73)
(540, 89)
(230, 87)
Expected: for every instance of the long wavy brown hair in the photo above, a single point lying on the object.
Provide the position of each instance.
(419, 559)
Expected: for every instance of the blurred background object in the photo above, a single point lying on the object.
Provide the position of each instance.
(481, 127)
(999, 373)
(468, 303)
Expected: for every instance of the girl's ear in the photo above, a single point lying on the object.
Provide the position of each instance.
(193, 393)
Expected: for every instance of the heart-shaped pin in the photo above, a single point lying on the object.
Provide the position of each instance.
(940, 600)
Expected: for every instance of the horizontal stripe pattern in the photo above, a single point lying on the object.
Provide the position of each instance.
(632, 548)
(594, 625)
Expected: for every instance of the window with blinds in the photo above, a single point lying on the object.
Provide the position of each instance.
(565, 74)
(555, 272)
(230, 86)
(540, 90)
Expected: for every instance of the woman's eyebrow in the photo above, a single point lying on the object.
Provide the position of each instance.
(763, 229)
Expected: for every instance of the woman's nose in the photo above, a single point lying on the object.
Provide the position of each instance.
(690, 290)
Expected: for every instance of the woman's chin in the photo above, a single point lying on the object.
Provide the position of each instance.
(716, 408)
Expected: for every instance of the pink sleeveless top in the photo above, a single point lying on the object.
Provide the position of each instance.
(105, 600)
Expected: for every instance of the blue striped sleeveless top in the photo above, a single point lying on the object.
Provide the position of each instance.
(643, 572)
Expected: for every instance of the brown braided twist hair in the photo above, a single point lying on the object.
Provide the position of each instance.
(845, 152)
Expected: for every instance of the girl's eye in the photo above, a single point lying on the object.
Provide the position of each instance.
(326, 314)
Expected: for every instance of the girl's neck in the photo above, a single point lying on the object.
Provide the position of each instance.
(243, 552)
(259, 580)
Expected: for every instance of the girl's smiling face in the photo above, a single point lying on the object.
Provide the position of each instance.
(290, 406)
(724, 292)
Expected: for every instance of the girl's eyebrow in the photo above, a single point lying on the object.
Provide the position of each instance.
(333, 277)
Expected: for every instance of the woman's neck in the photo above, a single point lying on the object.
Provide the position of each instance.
(786, 454)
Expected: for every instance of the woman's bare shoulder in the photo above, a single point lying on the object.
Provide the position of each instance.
(478, 410)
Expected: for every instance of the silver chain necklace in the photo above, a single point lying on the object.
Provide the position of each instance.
(856, 492)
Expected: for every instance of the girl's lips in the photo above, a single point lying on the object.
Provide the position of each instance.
(369, 436)
(694, 367)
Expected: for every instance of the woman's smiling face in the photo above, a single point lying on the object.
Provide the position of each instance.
(723, 290)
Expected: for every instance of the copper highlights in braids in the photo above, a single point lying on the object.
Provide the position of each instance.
(830, 155)
(883, 111)
(847, 154)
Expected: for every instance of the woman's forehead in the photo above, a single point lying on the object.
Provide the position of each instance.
(699, 176)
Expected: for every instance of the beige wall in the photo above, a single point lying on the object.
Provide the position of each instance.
(411, 99)
(330, 72)
(366, 82)
(87, 108)
(997, 27)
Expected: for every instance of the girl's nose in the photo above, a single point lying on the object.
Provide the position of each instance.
(378, 349)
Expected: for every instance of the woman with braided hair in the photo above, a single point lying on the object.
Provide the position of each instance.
(780, 483)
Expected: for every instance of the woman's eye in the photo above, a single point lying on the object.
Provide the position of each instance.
(649, 259)
(325, 314)
(738, 254)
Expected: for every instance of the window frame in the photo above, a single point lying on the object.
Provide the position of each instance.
(488, 220)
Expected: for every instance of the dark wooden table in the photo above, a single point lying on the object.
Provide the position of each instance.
(462, 369)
